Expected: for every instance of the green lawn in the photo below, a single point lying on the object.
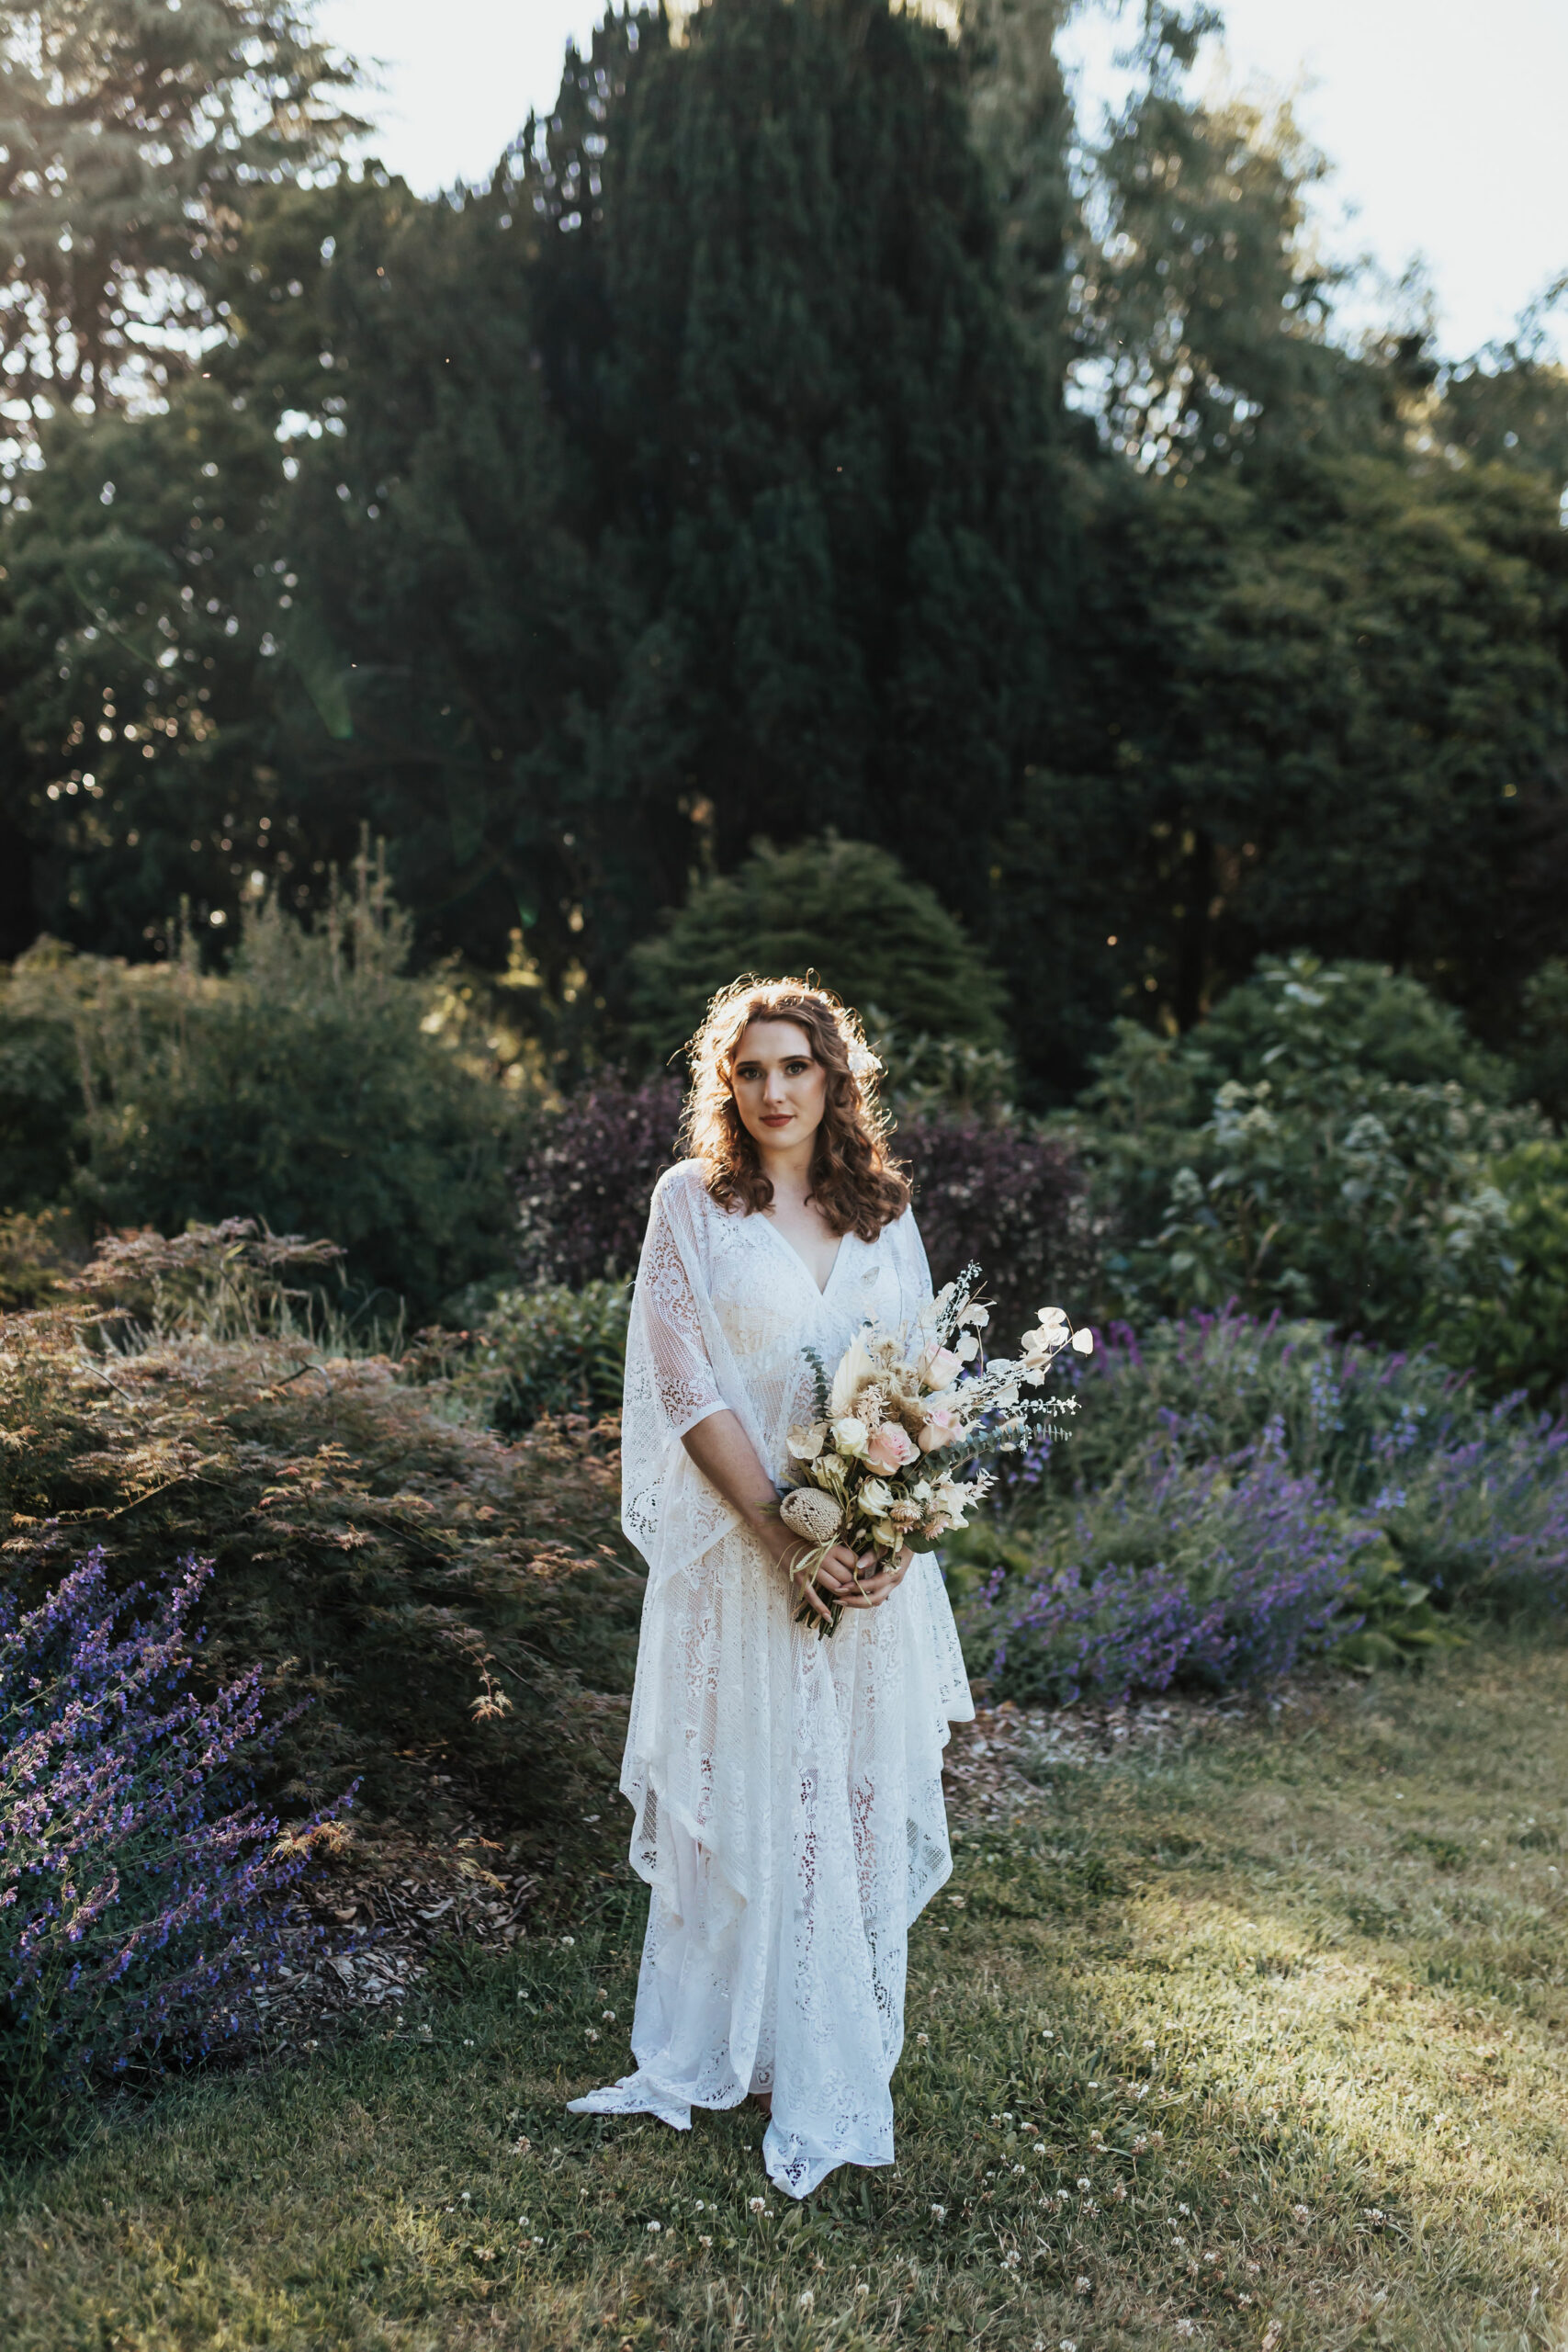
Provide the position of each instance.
(1264, 2041)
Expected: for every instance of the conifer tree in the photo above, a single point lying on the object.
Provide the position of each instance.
(129, 133)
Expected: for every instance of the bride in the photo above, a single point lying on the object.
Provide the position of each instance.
(787, 1789)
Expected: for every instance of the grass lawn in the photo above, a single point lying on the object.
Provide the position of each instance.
(1260, 2042)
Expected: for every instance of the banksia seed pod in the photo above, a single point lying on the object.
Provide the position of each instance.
(807, 1511)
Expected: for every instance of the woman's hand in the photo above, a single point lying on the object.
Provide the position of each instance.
(874, 1589)
(832, 1580)
(846, 1579)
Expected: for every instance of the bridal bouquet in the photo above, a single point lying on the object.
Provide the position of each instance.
(903, 1414)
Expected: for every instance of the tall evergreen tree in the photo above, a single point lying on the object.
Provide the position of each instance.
(129, 133)
(825, 522)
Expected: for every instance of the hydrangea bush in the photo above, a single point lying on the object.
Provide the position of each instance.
(135, 1870)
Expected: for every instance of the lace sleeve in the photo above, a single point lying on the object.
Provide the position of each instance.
(913, 1267)
(683, 1381)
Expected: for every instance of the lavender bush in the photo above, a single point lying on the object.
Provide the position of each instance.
(1237, 1494)
(133, 1870)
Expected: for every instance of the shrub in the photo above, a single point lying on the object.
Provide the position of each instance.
(1008, 1198)
(584, 1186)
(372, 1551)
(309, 1088)
(133, 1868)
(843, 910)
(548, 1351)
(1515, 1334)
(1236, 1495)
(1320, 1185)
(1221, 1574)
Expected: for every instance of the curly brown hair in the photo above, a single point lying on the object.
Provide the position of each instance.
(855, 1183)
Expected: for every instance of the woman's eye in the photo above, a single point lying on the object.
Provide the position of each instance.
(797, 1069)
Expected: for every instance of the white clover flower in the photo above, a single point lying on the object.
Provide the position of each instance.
(654, 2228)
(609, 2016)
(592, 2032)
(1018, 2169)
(1184, 2328)
(1011, 2261)
(699, 2206)
(567, 1942)
(1068, 2344)
(939, 2212)
(923, 2040)
(1084, 2286)
(1085, 2182)
(705, 2242)
(1302, 2212)
(860, 2286)
(806, 2300)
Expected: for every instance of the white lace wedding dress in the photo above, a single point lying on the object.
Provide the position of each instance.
(787, 1789)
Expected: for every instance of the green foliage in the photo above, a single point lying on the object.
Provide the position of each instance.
(549, 1351)
(1541, 1042)
(1318, 1183)
(1515, 1332)
(310, 1087)
(131, 134)
(767, 467)
(843, 910)
(426, 1587)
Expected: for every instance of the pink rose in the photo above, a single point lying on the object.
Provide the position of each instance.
(942, 1368)
(888, 1448)
(942, 1428)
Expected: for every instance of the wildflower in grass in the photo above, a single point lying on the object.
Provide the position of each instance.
(592, 2032)
(1011, 2261)
(466, 2199)
(1068, 2344)
(1185, 2209)
(754, 2204)
(1184, 2328)
(1032, 2129)
(1140, 2146)
(923, 2040)
(609, 2016)
(1302, 2212)
(1084, 2286)
(1119, 2192)
(860, 2286)
(1085, 2182)
(654, 2228)
(1157, 2139)
(704, 2242)
(568, 1943)
(939, 2212)
(806, 2300)
(1018, 2169)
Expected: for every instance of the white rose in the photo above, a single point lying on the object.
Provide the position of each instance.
(876, 1497)
(850, 1435)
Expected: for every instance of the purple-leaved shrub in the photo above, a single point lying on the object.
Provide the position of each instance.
(135, 1872)
(584, 1189)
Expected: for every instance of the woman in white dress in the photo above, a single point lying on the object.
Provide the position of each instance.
(787, 1788)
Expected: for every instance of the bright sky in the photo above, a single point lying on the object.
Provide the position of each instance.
(1446, 122)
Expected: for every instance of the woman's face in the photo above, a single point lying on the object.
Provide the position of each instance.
(779, 1088)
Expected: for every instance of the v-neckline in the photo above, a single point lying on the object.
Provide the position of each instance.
(824, 1288)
